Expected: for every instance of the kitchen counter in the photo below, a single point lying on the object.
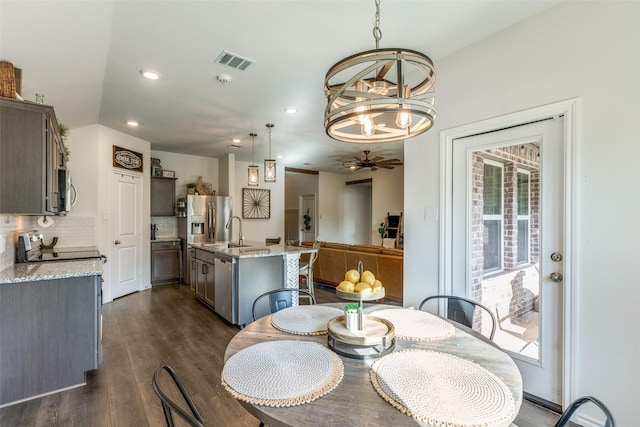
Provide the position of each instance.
(241, 274)
(166, 239)
(50, 326)
(252, 249)
(31, 272)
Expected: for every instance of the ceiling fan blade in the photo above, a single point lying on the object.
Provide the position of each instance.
(386, 166)
(374, 168)
(376, 158)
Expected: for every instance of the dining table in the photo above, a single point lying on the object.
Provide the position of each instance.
(399, 388)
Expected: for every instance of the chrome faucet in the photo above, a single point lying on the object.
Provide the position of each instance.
(240, 236)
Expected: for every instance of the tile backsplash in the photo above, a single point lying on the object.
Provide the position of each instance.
(71, 231)
(167, 226)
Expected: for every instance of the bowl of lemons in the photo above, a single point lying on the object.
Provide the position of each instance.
(360, 286)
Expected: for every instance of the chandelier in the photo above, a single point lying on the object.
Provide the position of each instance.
(270, 163)
(254, 170)
(380, 95)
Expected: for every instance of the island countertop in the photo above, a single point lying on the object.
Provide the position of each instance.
(30, 272)
(252, 249)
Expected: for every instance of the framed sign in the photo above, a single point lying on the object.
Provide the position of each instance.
(256, 203)
(127, 159)
(168, 174)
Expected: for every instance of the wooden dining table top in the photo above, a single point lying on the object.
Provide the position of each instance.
(354, 402)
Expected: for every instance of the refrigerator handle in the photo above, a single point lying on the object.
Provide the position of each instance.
(212, 222)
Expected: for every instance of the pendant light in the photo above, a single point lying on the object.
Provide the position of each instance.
(254, 170)
(380, 95)
(270, 163)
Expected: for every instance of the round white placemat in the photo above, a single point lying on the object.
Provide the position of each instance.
(282, 373)
(304, 319)
(416, 325)
(442, 390)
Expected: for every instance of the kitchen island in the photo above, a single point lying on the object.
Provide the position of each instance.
(239, 274)
(50, 327)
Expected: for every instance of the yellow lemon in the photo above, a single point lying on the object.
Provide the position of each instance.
(377, 285)
(363, 288)
(353, 276)
(346, 286)
(368, 277)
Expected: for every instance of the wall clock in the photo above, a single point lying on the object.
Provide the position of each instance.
(256, 203)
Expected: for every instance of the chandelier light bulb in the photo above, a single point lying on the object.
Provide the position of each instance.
(367, 127)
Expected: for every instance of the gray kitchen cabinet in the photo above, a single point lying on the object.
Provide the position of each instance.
(165, 262)
(205, 277)
(191, 269)
(32, 159)
(163, 196)
(50, 335)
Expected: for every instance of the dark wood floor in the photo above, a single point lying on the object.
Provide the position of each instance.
(162, 324)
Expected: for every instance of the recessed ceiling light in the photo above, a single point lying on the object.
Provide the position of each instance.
(279, 156)
(291, 110)
(150, 74)
(132, 123)
(235, 140)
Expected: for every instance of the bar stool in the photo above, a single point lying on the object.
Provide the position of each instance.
(305, 269)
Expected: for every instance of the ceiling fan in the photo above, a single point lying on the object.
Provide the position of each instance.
(373, 163)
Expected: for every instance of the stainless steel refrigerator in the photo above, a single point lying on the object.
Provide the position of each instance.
(204, 222)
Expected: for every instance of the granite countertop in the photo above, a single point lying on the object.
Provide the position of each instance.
(37, 271)
(166, 239)
(252, 249)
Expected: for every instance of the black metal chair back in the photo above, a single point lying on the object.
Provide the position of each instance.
(566, 415)
(462, 310)
(279, 299)
(170, 406)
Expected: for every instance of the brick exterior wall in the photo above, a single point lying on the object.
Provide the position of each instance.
(513, 157)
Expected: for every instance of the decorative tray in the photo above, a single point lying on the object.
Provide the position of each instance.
(374, 331)
(356, 296)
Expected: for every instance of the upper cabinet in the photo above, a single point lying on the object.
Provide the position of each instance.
(33, 163)
(163, 196)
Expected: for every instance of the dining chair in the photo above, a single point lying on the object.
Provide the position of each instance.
(278, 299)
(272, 240)
(305, 269)
(566, 415)
(462, 310)
(169, 406)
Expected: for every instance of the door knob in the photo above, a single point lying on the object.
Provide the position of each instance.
(555, 277)
(117, 242)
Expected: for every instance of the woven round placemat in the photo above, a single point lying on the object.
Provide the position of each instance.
(417, 325)
(282, 373)
(442, 390)
(304, 319)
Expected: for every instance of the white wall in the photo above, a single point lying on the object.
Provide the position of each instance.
(387, 196)
(188, 169)
(587, 50)
(299, 184)
(92, 170)
(335, 210)
(259, 229)
(356, 214)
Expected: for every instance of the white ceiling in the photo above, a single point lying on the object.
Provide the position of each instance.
(84, 56)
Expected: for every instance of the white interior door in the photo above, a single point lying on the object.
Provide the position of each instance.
(127, 234)
(507, 222)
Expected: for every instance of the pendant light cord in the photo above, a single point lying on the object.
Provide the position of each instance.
(377, 32)
(253, 148)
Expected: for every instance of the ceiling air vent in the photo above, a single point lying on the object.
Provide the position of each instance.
(234, 61)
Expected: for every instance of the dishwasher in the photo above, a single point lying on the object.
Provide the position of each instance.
(225, 275)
